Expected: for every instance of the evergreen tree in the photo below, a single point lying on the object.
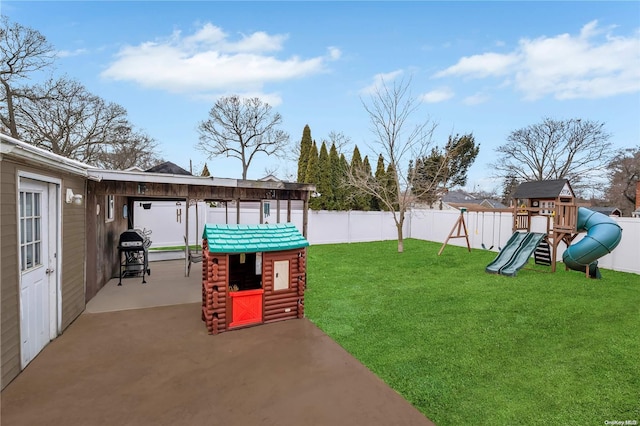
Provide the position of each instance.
(380, 176)
(336, 177)
(391, 186)
(443, 169)
(342, 200)
(356, 159)
(359, 199)
(367, 199)
(305, 146)
(313, 174)
(509, 188)
(324, 179)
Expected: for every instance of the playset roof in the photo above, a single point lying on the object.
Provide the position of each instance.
(224, 238)
(543, 189)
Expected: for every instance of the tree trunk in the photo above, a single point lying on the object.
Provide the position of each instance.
(400, 237)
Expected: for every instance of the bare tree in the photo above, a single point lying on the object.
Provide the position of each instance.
(24, 51)
(339, 139)
(129, 148)
(61, 116)
(399, 139)
(242, 128)
(572, 149)
(624, 176)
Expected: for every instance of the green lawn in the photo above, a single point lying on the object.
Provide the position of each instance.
(467, 347)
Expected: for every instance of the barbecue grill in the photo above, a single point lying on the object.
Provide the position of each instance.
(134, 245)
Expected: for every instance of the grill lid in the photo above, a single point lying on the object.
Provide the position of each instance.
(132, 238)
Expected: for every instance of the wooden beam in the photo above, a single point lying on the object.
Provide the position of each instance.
(459, 225)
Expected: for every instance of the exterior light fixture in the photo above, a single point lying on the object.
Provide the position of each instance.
(73, 198)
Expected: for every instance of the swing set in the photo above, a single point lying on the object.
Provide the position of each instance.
(460, 230)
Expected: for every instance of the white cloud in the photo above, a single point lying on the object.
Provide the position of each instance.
(592, 64)
(480, 66)
(69, 53)
(273, 99)
(210, 61)
(379, 80)
(334, 53)
(438, 95)
(476, 99)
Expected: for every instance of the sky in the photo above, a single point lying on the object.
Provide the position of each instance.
(485, 68)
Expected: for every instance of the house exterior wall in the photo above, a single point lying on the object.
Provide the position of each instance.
(72, 274)
(638, 195)
(73, 235)
(10, 332)
(103, 237)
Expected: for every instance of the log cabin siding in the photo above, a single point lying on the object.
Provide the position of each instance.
(276, 305)
(215, 283)
(284, 304)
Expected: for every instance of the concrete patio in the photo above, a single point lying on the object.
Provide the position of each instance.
(126, 363)
(167, 285)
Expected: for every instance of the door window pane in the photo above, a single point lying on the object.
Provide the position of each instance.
(30, 230)
(29, 204)
(36, 204)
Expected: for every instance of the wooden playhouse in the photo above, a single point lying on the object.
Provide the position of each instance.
(252, 274)
(556, 202)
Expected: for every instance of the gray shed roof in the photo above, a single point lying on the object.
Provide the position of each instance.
(542, 189)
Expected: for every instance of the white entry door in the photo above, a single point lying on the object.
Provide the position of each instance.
(38, 283)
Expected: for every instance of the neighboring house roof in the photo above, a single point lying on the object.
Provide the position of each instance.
(223, 238)
(458, 199)
(270, 178)
(609, 211)
(543, 189)
(169, 168)
(493, 204)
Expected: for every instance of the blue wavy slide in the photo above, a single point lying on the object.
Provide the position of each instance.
(603, 235)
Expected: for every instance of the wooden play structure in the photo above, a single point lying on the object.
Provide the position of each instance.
(252, 274)
(554, 200)
(563, 220)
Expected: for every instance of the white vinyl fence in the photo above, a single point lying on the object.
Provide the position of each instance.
(487, 230)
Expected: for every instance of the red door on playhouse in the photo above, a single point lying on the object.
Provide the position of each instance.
(246, 307)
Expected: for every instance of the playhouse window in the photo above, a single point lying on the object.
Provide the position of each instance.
(280, 275)
(242, 272)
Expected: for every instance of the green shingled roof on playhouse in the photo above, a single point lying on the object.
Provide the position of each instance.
(224, 238)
